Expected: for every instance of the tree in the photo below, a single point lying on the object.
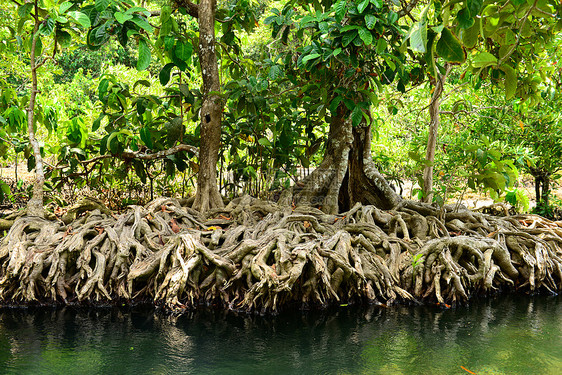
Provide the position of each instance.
(350, 50)
(208, 196)
(501, 42)
(49, 31)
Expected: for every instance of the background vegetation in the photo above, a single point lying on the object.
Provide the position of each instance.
(117, 80)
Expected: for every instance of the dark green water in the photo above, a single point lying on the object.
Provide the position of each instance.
(508, 335)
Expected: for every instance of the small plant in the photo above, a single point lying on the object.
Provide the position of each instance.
(417, 261)
(518, 199)
(5, 192)
(552, 210)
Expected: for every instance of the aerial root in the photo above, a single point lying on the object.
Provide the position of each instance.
(256, 255)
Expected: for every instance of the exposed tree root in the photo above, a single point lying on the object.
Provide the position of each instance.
(256, 255)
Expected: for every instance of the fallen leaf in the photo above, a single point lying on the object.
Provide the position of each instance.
(174, 225)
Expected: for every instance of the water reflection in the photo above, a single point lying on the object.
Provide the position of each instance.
(515, 335)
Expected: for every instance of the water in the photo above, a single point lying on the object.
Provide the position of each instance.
(508, 335)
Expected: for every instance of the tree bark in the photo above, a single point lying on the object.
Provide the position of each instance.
(347, 174)
(433, 134)
(542, 186)
(35, 204)
(208, 195)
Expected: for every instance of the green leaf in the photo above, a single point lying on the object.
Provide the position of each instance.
(47, 27)
(5, 188)
(183, 50)
(264, 142)
(362, 6)
(484, 59)
(164, 75)
(381, 45)
(165, 28)
(122, 18)
(340, 9)
(312, 56)
(102, 88)
(349, 27)
(65, 6)
(184, 89)
(418, 33)
(81, 18)
(510, 81)
(101, 5)
(144, 55)
(356, 116)
(464, 18)
(97, 122)
(165, 13)
(470, 35)
(142, 23)
(274, 72)
(141, 107)
(348, 37)
(25, 9)
(169, 42)
(366, 36)
(370, 21)
(450, 48)
(335, 104)
(474, 7)
(38, 46)
(146, 137)
(63, 38)
(142, 82)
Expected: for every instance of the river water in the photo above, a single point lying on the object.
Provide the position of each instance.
(505, 335)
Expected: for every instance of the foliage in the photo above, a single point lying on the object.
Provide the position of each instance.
(366, 58)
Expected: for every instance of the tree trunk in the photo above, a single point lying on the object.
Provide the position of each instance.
(347, 174)
(35, 204)
(208, 196)
(542, 186)
(433, 134)
(545, 190)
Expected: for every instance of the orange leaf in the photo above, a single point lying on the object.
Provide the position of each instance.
(174, 225)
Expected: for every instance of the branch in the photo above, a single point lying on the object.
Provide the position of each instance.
(408, 8)
(192, 9)
(514, 46)
(147, 156)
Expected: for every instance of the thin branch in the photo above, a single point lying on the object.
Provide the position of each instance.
(192, 9)
(514, 46)
(408, 8)
(147, 156)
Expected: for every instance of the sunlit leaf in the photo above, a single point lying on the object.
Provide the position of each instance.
(144, 55)
(450, 48)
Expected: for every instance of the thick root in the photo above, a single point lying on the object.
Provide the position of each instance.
(256, 255)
